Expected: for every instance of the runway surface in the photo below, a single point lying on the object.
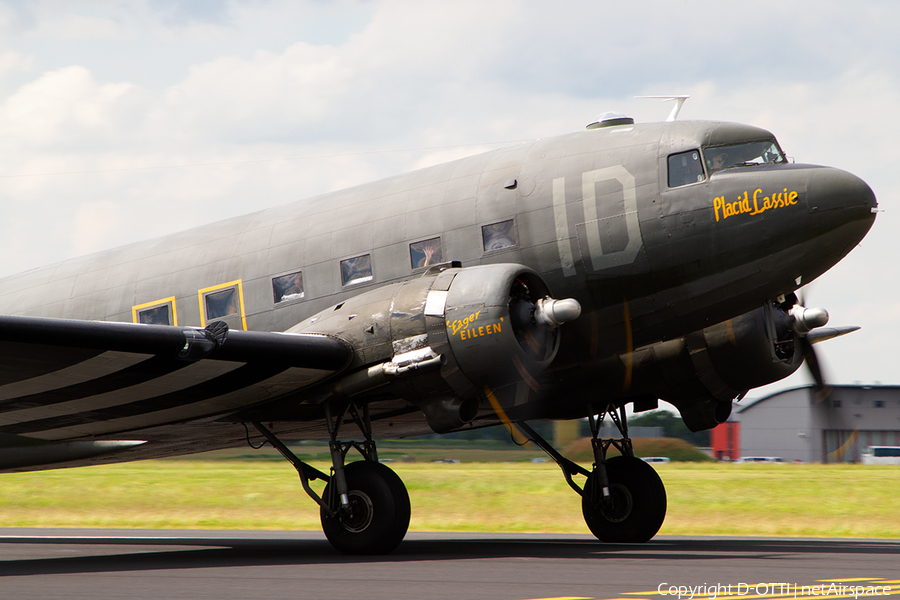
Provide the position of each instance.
(101, 564)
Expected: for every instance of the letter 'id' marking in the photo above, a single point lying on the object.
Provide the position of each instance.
(562, 227)
(592, 222)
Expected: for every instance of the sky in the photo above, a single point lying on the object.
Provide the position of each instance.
(129, 120)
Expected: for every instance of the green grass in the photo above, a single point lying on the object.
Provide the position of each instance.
(704, 499)
(783, 500)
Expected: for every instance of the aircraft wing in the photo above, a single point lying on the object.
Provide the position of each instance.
(61, 380)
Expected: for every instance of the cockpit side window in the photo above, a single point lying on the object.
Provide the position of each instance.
(685, 168)
(764, 152)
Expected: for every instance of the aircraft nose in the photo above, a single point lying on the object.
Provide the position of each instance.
(836, 190)
(842, 209)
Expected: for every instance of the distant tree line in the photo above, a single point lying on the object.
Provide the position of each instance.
(671, 423)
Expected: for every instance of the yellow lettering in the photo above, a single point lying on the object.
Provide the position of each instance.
(462, 334)
(759, 205)
(481, 330)
(756, 210)
(496, 327)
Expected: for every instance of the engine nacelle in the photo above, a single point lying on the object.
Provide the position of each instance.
(702, 373)
(444, 339)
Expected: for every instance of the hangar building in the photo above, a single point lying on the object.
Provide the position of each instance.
(795, 425)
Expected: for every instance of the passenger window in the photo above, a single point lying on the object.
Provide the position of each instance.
(356, 270)
(426, 253)
(685, 168)
(221, 304)
(222, 301)
(288, 287)
(158, 312)
(498, 235)
(155, 316)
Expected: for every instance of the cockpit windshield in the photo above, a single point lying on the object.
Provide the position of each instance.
(742, 155)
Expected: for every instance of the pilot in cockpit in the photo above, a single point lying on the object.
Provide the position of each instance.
(717, 162)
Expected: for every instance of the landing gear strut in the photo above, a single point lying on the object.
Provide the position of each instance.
(365, 506)
(623, 499)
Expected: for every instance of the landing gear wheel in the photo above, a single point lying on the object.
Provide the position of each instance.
(637, 505)
(379, 511)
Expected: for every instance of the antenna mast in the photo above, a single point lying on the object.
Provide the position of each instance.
(679, 102)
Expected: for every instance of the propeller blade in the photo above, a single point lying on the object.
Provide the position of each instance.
(809, 325)
(822, 389)
(629, 347)
(828, 333)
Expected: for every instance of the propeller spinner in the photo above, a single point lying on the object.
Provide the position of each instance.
(809, 325)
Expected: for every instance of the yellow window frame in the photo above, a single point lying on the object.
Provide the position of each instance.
(221, 286)
(156, 303)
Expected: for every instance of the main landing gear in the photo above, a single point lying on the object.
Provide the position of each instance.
(623, 499)
(365, 507)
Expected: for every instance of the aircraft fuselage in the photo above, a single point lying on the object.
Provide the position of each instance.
(632, 221)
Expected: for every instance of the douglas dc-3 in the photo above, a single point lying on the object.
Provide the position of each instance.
(559, 279)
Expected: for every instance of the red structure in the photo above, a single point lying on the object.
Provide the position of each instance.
(725, 440)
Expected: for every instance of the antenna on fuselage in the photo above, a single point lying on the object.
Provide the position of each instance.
(679, 102)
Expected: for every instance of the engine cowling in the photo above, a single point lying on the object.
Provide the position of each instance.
(702, 373)
(440, 340)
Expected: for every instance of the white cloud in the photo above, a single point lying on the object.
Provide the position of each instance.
(92, 224)
(62, 108)
(12, 62)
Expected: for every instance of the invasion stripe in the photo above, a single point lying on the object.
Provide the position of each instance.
(240, 378)
(144, 371)
(98, 366)
(20, 361)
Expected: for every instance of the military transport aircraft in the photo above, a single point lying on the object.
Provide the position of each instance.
(559, 279)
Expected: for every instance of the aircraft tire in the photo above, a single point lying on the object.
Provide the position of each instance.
(380, 511)
(639, 503)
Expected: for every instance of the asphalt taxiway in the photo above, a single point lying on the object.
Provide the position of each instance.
(99, 564)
